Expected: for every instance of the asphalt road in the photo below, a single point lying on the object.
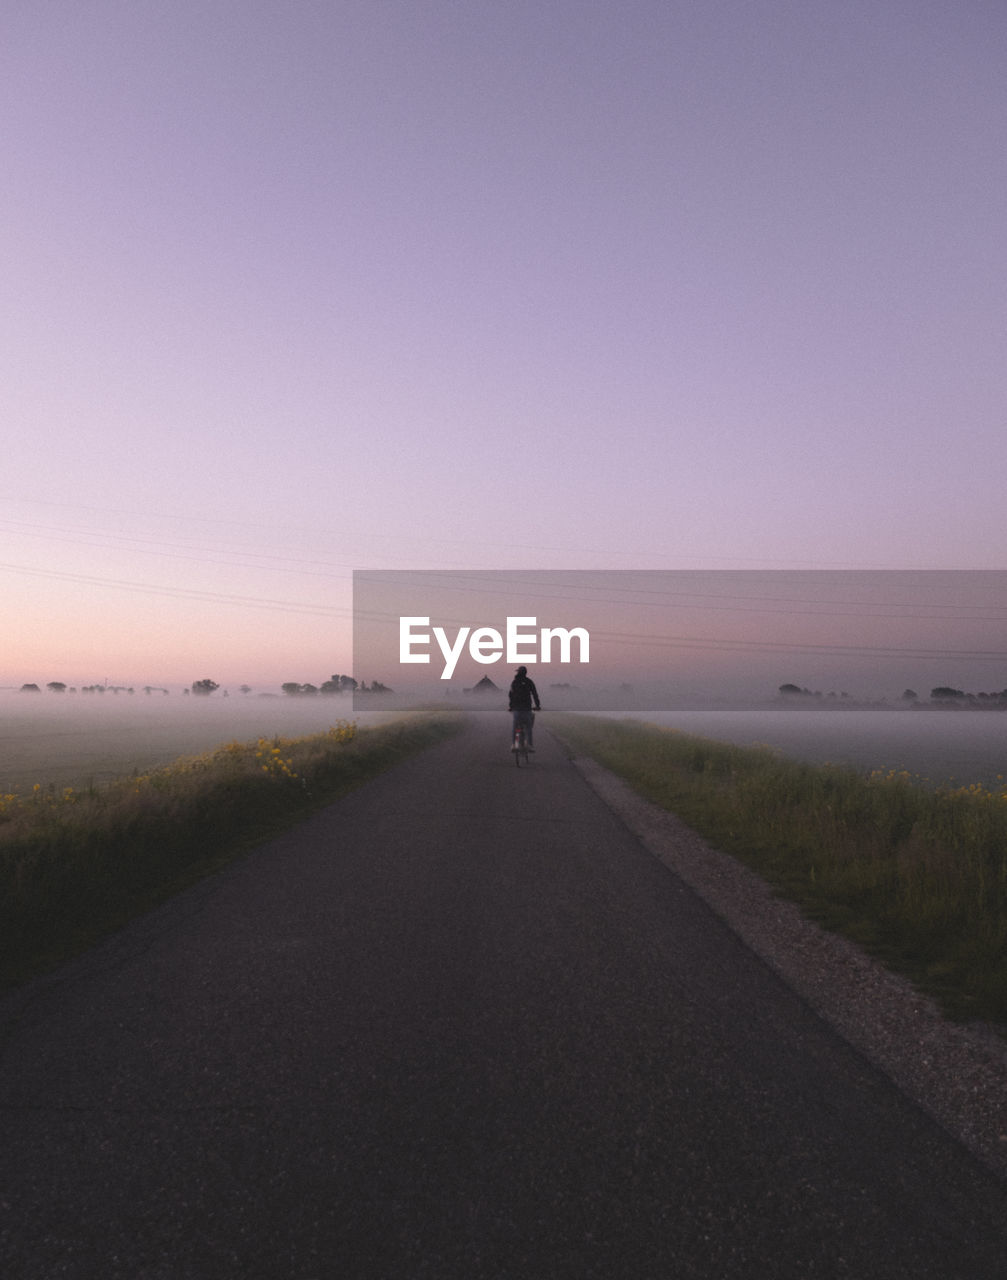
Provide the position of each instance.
(459, 1024)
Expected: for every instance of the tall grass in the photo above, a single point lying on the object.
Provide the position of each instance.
(76, 863)
(915, 874)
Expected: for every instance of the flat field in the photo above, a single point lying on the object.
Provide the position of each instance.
(937, 747)
(74, 739)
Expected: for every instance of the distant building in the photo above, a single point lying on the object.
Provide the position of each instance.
(485, 686)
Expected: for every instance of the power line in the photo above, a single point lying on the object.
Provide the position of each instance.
(185, 593)
(495, 544)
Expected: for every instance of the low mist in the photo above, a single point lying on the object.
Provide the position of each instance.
(936, 745)
(72, 738)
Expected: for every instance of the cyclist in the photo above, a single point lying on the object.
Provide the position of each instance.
(520, 699)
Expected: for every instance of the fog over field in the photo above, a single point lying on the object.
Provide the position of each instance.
(74, 738)
(937, 745)
(69, 739)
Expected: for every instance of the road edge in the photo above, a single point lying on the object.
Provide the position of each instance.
(956, 1073)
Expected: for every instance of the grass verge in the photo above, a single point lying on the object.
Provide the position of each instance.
(915, 875)
(78, 863)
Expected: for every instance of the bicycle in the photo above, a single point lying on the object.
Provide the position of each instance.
(519, 743)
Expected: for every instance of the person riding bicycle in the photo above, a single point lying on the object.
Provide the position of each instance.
(520, 698)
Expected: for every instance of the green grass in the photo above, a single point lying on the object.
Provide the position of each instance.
(77, 863)
(914, 874)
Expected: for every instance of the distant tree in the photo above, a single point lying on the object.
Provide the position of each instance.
(30, 688)
(339, 684)
(291, 688)
(309, 690)
(377, 687)
(245, 689)
(204, 687)
(910, 695)
(56, 686)
(943, 693)
(791, 690)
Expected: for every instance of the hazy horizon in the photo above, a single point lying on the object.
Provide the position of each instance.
(75, 739)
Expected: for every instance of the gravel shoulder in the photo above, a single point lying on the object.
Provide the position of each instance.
(956, 1073)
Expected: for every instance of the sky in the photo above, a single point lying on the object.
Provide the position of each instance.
(295, 289)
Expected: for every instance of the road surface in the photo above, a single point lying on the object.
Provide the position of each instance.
(459, 1024)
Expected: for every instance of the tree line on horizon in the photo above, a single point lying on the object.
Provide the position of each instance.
(336, 684)
(58, 686)
(942, 695)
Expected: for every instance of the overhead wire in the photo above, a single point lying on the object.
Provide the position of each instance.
(573, 586)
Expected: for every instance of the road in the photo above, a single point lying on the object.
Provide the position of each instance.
(459, 1024)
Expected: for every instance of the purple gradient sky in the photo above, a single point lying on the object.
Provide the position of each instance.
(291, 289)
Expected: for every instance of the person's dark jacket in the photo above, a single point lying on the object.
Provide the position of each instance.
(522, 694)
